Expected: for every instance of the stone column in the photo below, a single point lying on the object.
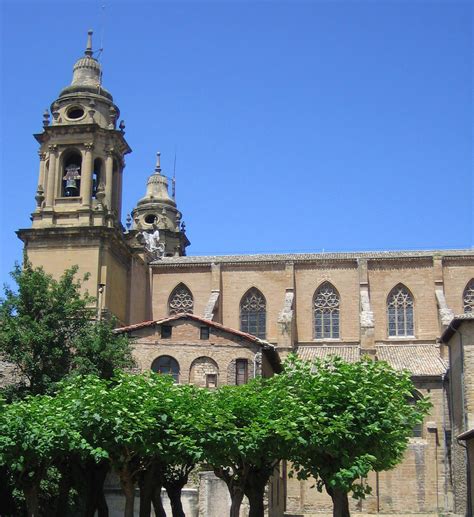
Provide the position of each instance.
(42, 157)
(86, 175)
(109, 170)
(119, 191)
(53, 149)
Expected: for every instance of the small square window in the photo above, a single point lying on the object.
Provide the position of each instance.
(211, 380)
(204, 333)
(166, 331)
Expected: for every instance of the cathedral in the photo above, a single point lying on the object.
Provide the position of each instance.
(215, 320)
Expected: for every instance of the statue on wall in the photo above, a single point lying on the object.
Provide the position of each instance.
(151, 241)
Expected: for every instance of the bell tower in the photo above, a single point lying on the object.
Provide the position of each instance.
(77, 219)
(81, 154)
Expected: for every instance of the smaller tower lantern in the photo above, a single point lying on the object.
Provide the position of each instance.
(157, 215)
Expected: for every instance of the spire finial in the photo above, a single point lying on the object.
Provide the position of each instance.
(158, 162)
(88, 51)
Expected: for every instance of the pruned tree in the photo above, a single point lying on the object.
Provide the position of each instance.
(354, 418)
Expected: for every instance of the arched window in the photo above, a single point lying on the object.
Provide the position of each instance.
(468, 297)
(180, 300)
(71, 174)
(96, 176)
(167, 365)
(326, 312)
(400, 312)
(204, 372)
(253, 313)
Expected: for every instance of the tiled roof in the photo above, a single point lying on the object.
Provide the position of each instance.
(423, 360)
(455, 324)
(302, 257)
(349, 353)
(193, 317)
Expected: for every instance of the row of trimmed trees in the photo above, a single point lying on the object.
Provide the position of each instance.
(61, 433)
(335, 423)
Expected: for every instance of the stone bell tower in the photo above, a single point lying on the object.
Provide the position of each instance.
(157, 224)
(77, 219)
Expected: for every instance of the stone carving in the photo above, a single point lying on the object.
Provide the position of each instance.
(153, 246)
(285, 318)
(445, 313)
(366, 313)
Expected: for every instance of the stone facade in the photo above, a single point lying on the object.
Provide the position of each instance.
(135, 271)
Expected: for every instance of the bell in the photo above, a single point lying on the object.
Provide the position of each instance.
(71, 190)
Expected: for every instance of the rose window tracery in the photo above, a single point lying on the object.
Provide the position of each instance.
(468, 297)
(400, 312)
(326, 312)
(181, 301)
(253, 311)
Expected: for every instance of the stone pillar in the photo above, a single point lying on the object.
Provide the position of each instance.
(119, 192)
(42, 157)
(366, 316)
(53, 149)
(86, 175)
(109, 170)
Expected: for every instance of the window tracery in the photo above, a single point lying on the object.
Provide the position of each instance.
(180, 301)
(326, 312)
(253, 313)
(468, 297)
(400, 312)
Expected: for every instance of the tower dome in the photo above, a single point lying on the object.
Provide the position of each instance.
(157, 210)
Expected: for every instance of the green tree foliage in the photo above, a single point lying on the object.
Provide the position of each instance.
(147, 425)
(38, 324)
(34, 434)
(251, 428)
(47, 331)
(354, 418)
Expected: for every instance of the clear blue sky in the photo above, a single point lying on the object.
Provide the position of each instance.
(299, 126)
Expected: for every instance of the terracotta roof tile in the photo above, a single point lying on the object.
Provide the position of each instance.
(423, 360)
(349, 353)
(302, 257)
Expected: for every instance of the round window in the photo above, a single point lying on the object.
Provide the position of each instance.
(150, 219)
(75, 113)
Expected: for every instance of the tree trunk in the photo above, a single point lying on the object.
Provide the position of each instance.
(236, 502)
(255, 492)
(128, 487)
(340, 502)
(174, 494)
(157, 502)
(255, 497)
(94, 475)
(64, 488)
(150, 487)
(31, 491)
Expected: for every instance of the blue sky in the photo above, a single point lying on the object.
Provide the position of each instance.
(298, 126)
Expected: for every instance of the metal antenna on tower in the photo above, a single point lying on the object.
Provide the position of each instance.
(102, 29)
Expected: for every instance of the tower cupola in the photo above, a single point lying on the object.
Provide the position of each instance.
(157, 211)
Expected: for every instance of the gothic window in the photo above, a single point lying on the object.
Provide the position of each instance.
(468, 297)
(71, 174)
(400, 312)
(326, 312)
(253, 313)
(167, 365)
(180, 300)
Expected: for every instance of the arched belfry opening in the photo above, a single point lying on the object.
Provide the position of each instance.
(71, 174)
(97, 176)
